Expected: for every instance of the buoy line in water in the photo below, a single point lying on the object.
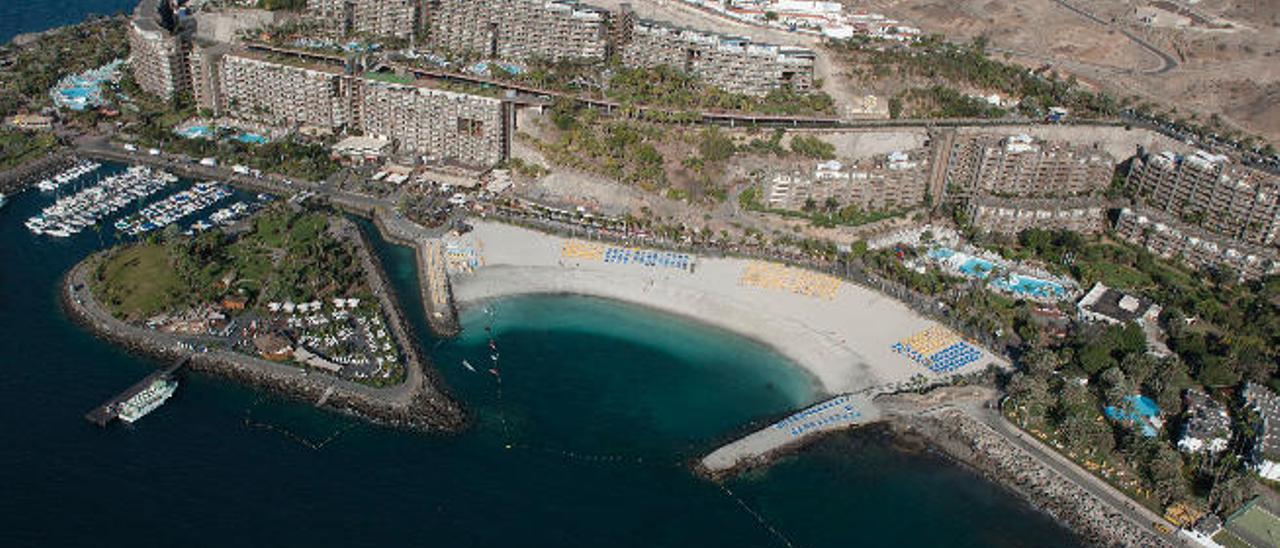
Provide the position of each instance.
(759, 518)
(507, 441)
(290, 435)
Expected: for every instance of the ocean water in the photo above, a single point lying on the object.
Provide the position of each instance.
(585, 442)
(23, 16)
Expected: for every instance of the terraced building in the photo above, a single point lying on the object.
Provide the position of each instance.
(1210, 191)
(732, 63)
(518, 30)
(393, 18)
(159, 42)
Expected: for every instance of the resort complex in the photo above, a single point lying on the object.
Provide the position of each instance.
(454, 215)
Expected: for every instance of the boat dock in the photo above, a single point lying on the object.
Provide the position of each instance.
(109, 411)
(837, 413)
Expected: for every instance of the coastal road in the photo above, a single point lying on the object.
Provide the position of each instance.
(1118, 501)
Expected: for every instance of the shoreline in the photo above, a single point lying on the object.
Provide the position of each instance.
(844, 341)
(417, 403)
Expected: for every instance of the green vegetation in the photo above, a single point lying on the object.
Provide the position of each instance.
(621, 150)
(670, 88)
(19, 147)
(1221, 333)
(941, 102)
(36, 67)
(287, 257)
(813, 147)
(829, 215)
(139, 282)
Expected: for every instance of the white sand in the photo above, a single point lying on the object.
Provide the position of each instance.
(844, 342)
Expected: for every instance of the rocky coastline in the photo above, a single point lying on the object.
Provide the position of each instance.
(418, 403)
(972, 443)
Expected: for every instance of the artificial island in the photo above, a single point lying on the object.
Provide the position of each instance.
(1067, 286)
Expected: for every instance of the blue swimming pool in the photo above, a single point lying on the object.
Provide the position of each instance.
(196, 132)
(1138, 410)
(977, 268)
(1028, 286)
(251, 138)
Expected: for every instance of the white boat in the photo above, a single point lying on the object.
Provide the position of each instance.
(3, 200)
(147, 400)
(467, 365)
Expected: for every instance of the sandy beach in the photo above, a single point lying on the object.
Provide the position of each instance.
(843, 338)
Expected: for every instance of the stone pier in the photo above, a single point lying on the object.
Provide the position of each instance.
(756, 449)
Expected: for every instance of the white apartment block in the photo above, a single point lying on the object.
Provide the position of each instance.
(432, 125)
(1012, 216)
(734, 64)
(518, 30)
(281, 93)
(158, 54)
(1212, 192)
(1170, 238)
(395, 18)
(888, 183)
(1023, 167)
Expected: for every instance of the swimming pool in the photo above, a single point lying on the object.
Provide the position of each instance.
(1028, 286)
(196, 132)
(251, 138)
(1139, 410)
(977, 268)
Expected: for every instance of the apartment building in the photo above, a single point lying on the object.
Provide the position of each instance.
(281, 92)
(732, 63)
(203, 64)
(1170, 238)
(433, 126)
(393, 18)
(519, 30)
(1021, 166)
(1210, 191)
(891, 182)
(159, 40)
(1014, 215)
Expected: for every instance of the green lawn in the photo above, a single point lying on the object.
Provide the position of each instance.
(1229, 540)
(138, 282)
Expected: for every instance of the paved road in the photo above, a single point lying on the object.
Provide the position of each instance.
(1167, 61)
(1120, 502)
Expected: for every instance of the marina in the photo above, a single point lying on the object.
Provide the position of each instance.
(73, 214)
(173, 209)
(69, 176)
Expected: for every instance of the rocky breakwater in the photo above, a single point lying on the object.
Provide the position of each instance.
(433, 278)
(418, 403)
(995, 456)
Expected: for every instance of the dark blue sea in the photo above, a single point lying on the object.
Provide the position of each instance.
(23, 16)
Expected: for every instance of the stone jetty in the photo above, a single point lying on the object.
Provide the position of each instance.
(791, 432)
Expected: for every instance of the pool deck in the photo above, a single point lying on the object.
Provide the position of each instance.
(831, 415)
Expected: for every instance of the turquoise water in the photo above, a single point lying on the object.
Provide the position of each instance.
(1139, 410)
(251, 138)
(1027, 285)
(194, 132)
